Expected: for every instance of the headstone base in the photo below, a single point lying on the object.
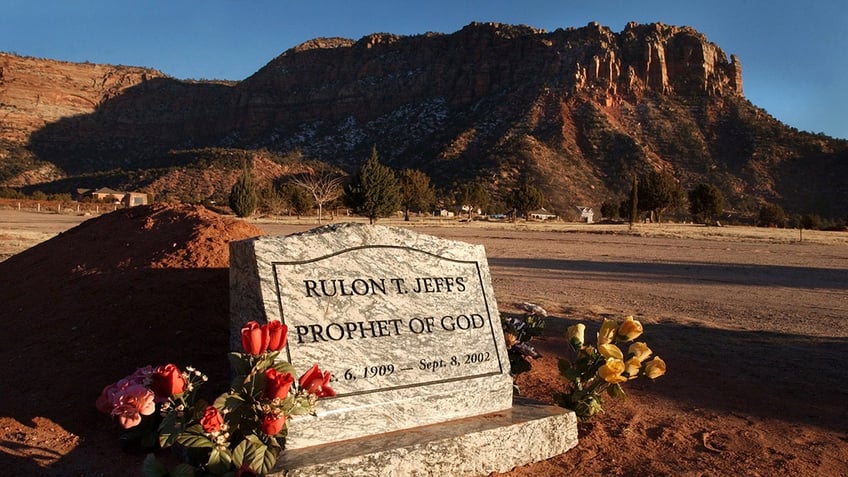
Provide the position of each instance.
(474, 446)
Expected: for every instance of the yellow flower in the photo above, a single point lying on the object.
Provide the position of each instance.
(629, 330)
(510, 339)
(655, 368)
(640, 351)
(611, 371)
(607, 332)
(575, 334)
(631, 368)
(610, 350)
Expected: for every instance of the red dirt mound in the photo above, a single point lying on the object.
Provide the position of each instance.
(146, 285)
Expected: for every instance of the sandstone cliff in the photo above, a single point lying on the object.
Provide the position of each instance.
(575, 111)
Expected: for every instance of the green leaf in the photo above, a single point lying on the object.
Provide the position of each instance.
(259, 456)
(265, 361)
(269, 460)
(153, 467)
(220, 461)
(182, 470)
(228, 401)
(195, 437)
(251, 452)
(616, 391)
(240, 363)
(284, 367)
(169, 429)
(238, 453)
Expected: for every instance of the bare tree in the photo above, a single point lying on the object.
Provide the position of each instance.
(324, 184)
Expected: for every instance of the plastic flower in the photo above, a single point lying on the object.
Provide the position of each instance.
(314, 381)
(639, 350)
(134, 402)
(246, 471)
(632, 367)
(212, 420)
(610, 350)
(575, 334)
(108, 398)
(277, 334)
(629, 330)
(655, 368)
(254, 338)
(277, 384)
(272, 424)
(167, 381)
(611, 371)
(607, 332)
(592, 371)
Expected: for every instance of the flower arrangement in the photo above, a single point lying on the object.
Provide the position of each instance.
(593, 370)
(242, 432)
(518, 331)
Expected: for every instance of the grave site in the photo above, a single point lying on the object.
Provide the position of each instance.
(408, 325)
(752, 388)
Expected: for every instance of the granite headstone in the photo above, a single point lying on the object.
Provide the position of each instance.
(407, 324)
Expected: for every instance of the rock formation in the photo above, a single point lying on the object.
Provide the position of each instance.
(575, 111)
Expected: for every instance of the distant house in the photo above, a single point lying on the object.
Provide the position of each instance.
(541, 214)
(586, 214)
(105, 194)
(132, 199)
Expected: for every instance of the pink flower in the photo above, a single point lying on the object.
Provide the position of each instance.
(314, 381)
(142, 375)
(108, 398)
(132, 403)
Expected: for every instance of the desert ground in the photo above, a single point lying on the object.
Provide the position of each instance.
(753, 324)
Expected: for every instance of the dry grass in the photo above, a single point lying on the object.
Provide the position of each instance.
(669, 230)
(26, 229)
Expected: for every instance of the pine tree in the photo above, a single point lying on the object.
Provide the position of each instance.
(525, 199)
(374, 190)
(417, 192)
(243, 197)
(705, 202)
(658, 191)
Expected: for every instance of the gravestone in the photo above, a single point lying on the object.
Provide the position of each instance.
(409, 327)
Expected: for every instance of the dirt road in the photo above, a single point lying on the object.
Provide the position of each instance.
(754, 331)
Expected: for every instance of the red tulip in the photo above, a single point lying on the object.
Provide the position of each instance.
(167, 381)
(315, 382)
(277, 384)
(272, 424)
(212, 420)
(277, 333)
(254, 338)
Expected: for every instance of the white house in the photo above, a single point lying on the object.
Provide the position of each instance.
(541, 214)
(586, 214)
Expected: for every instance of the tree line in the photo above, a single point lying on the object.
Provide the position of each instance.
(376, 191)
(373, 191)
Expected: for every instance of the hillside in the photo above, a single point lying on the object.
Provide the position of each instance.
(575, 111)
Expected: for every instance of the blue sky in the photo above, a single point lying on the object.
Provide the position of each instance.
(794, 54)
